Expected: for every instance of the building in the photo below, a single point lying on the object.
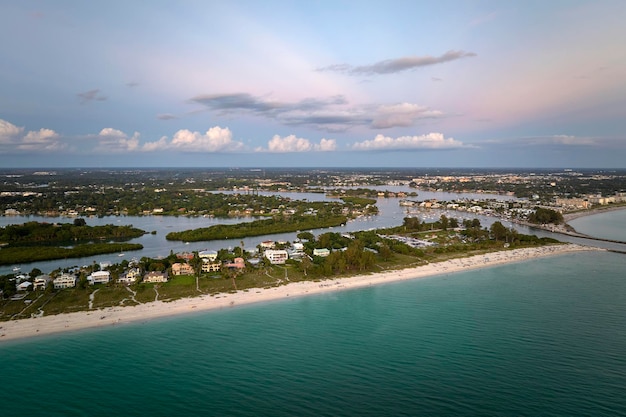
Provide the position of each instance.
(129, 277)
(155, 276)
(276, 257)
(64, 281)
(211, 255)
(182, 269)
(323, 252)
(99, 277)
(211, 266)
(237, 263)
(41, 282)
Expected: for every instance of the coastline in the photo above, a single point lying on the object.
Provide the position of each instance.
(110, 316)
(597, 210)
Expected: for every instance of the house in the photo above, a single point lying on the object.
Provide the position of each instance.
(64, 281)
(323, 252)
(41, 282)
(267, 244)
(187, 256)
(182, 269)
(237, 263)
(211, 266)
(276, 257)
(211, 255)
(129, 277)
(155, 276)
(24, 286)
(99, 277)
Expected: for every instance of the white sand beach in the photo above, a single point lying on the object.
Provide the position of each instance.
(46, 325)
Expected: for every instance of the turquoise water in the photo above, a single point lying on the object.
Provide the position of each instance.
(546, 337)
(609, 225)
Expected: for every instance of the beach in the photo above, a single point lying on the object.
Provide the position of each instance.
(113, 316)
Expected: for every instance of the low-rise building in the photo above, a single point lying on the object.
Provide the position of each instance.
(211, 255)
(182, 269)
(155, 276)
(130, 277)
(64, 281)
(211, 266)
(99, 277)
(237, 263)
(277, 257)
(41, 282)
(323, 252)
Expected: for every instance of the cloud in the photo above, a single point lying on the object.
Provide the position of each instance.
(132, 84)
(166, 116)
(403, 114)
(113, 140)
(331, 114)
(292, 143)
(13, 138)
(216, 139)
(91, 95)
(8, 131)
(429, 141)
(391, 66)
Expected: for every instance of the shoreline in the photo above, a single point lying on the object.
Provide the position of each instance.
(590, 212)
(110, 316)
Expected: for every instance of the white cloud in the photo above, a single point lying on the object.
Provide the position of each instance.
(292, 143)
(113, 140)
(35, 140)
(402, 114)
(9, 132)
(40, 136)
(216, 139)
(429, 141)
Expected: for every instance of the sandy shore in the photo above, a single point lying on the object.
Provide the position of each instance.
(46, 325)
(596, 210)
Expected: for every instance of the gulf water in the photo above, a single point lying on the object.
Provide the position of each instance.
(544, 337)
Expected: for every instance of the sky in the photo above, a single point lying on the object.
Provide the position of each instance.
(313, 83)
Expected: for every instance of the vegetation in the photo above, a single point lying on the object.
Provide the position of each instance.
(256, 228)
(35, 232)
(24, 254)
(545, 216)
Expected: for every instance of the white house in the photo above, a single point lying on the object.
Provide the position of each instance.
(24, 286)
(323, 252)
(64, 281)
(41, 282)
(99, 277)
(276, 257)
(211, 255)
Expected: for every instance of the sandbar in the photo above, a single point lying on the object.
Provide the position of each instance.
(111, 316)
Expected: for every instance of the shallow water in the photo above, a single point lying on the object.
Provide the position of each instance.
(534, 338)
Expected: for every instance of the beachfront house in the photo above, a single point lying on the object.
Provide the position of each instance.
(99, 277)
(211, 266)
(155, 276)
(24, 286)
(64, 281)
(182, 269)
(130, 277)
(237, 263)
(277, 257)
(41, 282)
